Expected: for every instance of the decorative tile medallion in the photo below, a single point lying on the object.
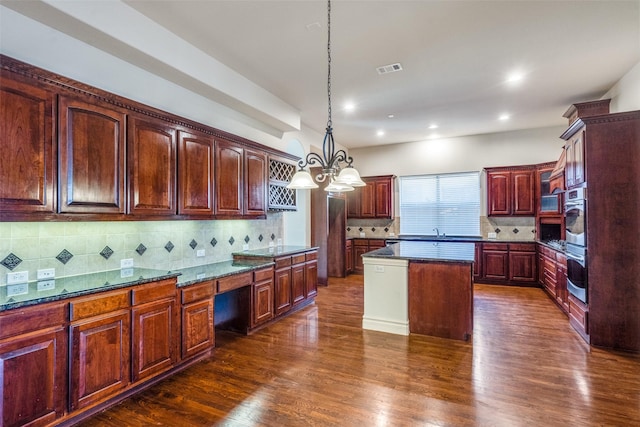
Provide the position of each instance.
(348, 228)
(373, 229)
(246, 239)
(231, 240)
(11, 261)
(260, 237)
(515, 231)
(141, 249)
(106, 252)
(497, 230)
(386, 229)
(213, 242)
(360, 229)
(273, 236)
(64, 256)
(169, 246)
(193, 244)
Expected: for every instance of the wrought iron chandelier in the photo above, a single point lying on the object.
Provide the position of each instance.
(341, 178)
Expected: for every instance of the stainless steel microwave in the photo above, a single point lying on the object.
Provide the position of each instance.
(575, 216)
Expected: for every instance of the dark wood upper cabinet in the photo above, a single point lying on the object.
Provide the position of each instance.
(511, 191)
(375, 200)
(196, 174)
(28, 161)
(152, 167)
(91, 151)
(229, 178)
(255, 182)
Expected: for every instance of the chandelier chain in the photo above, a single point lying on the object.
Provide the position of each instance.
(329, 121)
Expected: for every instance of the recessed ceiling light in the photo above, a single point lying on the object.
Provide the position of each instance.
(515, 77)
(380, 133)
(433, 126)
(504, 117)
(390, 116)
(349, 106)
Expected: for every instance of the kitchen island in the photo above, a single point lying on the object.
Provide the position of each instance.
(420, 287)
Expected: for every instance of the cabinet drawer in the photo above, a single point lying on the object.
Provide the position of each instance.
(298, 259)
(154, 291)
(198, 292)
(522, 247)
(311, 255)
(98, 304)
(550, 267)
(283, 262)
(376, 243)
(579, 312)
(261, 275)
(361, 242)
(495, 246)
(22, 320)
(234, 282)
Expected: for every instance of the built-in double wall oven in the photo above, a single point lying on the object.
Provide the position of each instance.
(575, 211)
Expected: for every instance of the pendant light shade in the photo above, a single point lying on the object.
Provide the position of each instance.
(351, 177)
(338, 187)
(302, 180)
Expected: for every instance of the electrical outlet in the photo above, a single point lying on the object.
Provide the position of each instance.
(46, 273)
(126, 263)
(126, 272)
(17, 277)
(245, 247)
(200, 252)
(46, 285)
(378, 268)
(18, 289)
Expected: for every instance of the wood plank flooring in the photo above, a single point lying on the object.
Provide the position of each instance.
(525, 366)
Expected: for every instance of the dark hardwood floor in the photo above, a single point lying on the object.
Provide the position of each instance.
(524, 367)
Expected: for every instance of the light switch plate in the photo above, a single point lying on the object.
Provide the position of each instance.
(378, 268)
(200, 252)
(492, 235)
(46, 273)
(126, 263)
(245, 247)
(46, 285)
(126, 272)
(18, 289)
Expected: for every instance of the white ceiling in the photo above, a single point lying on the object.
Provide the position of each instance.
(456, 57)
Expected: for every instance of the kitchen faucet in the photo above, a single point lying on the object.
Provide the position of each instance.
(437, 232)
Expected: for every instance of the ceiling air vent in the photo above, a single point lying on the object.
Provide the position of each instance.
(391, 68)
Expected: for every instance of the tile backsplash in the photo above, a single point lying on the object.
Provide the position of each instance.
(506, 228)
(74, 248)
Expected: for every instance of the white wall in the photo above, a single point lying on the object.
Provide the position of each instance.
(625, 95)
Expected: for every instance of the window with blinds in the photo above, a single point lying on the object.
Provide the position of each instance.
(448, 202)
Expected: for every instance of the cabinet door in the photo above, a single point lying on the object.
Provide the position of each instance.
(353, 203)
(495, 264)
(548, 203)
(255, 183)
(499, 193)
(368, 200)
(229, 176)
(283, 290)
(311, 278)
(358, 250)
(523, 193)
(477, 261)
(195, 167)
(384, 204)
(522, 266)
(28, 161)
(298, 292)
(569, 168)
(349, 258)
(197, 327)
(99, 353)
(262, 302)
(152, 167)
(33, 372)
(154, 338)
(91, 152)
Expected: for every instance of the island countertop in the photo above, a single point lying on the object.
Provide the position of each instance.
(426, 251)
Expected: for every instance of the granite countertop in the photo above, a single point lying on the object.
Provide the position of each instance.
(191, 275)
(39, 292)
(426, 251)
(275, 251)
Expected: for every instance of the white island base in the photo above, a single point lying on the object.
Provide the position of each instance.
(386, 295)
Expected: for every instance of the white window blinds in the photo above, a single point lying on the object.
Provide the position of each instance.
(448, 202)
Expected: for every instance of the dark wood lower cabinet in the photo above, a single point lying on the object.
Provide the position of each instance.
(197, 319)
(298, 291)
(362, 246)
(283, 290)
(154, 329)
(33, 365)
(506, 263)
(263, 297)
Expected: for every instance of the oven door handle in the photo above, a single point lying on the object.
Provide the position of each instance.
(578, 258)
